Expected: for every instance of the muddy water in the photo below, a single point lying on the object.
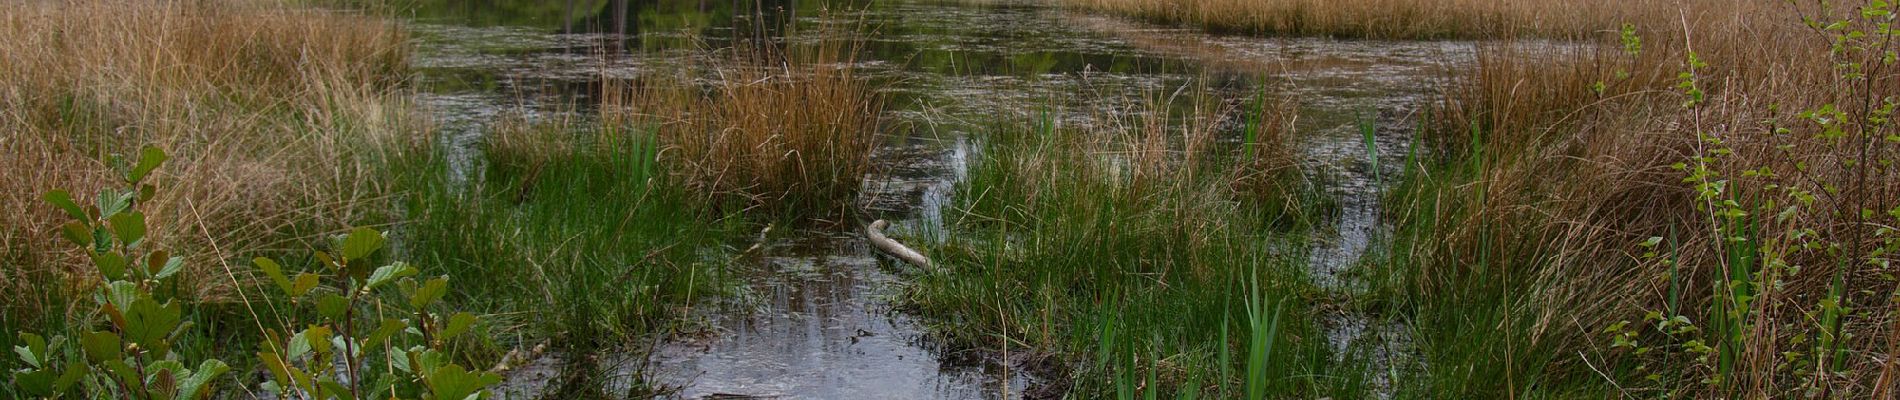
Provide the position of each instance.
(814, 318)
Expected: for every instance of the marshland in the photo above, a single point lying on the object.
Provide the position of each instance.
(949, 199)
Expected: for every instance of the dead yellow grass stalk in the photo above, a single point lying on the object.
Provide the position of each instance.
(1581, 150)
(269, 112)
(789, 129)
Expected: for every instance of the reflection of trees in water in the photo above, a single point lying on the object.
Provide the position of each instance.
(619, 16)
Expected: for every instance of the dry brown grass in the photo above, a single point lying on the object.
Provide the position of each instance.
(1398, 19)
(788, 130)
(268, 113)
(1574, 178)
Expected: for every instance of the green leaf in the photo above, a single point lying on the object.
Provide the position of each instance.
(128, 227)
(275, 272)
(36, 382)
(111, 265)
(304, 284)
(318, 338)
(75, 370)
(164, 267)
(150, 158)
(193, 386)
(335, 389)
(279, 372)
(64, 200)
(162, 383)
(77, 232)
(331, 306)
(112, 202)
(458, 323)
(361, 243)
(34, 349)
(148, 322)
(429, 293)
(102, 346)
(390, 272)
(388, 328)
(454, 382)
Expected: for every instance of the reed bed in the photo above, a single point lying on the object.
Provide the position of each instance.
(270, 114)
(1400, 19)
(1129, 249)
(779, 128)
(1710, 195)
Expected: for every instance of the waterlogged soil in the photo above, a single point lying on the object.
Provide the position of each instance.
(814, 317)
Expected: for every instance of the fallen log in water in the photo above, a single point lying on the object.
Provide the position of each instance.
(875, 232)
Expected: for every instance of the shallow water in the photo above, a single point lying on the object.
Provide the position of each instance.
(815, 318)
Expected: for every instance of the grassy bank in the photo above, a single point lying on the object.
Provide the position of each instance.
(272, 116)
(1141, 253)
(1404, 19)
(1721, 228)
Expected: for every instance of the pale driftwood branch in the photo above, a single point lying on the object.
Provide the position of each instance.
(875, 232)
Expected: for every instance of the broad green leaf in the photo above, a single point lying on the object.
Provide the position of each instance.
(172, 267)
(64, 200)
(458, 324)
(454, 382)
(361, 243)
(163, 381)
(275, 272)
(148, 322)
(36, 382)
(429, 293)
(194, 385)
(33, 351)
(121, 294)
(75, 370)
(335, 389)
(112, 202)
(128, 227)
(150, 158)
(77, 232)
(111, 265)
(155, 261)
(331, 306)
(303, 285)
(390, 272)
(388, 328)
(318, 338)
(275, 364)
(102, 346)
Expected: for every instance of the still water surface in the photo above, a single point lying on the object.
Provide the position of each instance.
(815, 318)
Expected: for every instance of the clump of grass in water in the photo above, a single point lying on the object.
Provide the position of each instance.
(788, 130)
(572, 232)
(1122, 249)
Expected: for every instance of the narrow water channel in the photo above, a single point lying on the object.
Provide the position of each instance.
(815, 318)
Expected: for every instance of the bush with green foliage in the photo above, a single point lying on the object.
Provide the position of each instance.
(357, 330)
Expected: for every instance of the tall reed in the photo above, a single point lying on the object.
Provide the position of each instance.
(1716, 208)
(1123, 247)
(270, 113)
(782, 128)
